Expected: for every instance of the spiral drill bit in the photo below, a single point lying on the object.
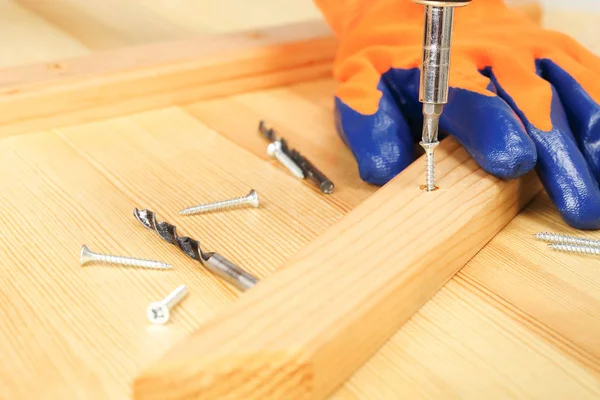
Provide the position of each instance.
(308, 169)
(214, 262)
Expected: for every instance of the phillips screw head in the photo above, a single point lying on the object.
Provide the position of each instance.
(159, 312)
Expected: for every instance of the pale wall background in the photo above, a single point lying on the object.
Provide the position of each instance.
(573, 4)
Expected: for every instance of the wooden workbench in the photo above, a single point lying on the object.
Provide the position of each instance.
(517, 322)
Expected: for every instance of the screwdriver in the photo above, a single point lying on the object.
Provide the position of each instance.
(433, 90)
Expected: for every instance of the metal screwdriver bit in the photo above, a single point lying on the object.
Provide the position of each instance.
(213, 262)
(435, 66)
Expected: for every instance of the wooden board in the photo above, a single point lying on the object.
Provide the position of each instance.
(328, 309)
(119, 82)
(517, 322)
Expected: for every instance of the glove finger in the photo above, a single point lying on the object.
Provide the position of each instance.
(490, 131)
(369, 119)
(381, 142)
(558, 44)
(481, 121)
(561, 166)
(579, 92)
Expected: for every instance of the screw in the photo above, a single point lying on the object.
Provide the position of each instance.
(158, 312)
(251, 199)
(87, 256)
(566, 239)
(275, 150)
(567, 248)
(430, 165)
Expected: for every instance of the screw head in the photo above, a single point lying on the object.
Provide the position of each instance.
(271, 150)
(86, 255)
(253, 198)
(158, 313)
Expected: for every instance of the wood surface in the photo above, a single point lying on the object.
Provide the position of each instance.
(517, 322)
(119, 82)
(301, 332)
(114, 23)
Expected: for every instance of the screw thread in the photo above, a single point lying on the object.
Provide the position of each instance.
(430, 174)
(567, 248)
(129, 261)
(566, 239)
(175, 297)
(218, 205)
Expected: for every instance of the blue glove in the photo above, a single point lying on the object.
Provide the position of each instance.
(520, 97)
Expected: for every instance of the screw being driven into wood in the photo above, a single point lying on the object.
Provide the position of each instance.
(87, 256)
(566, 239)
(429, 166)
(250, 199)
(159, 312)
(275, 150)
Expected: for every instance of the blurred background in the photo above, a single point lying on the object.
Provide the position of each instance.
(45, 30)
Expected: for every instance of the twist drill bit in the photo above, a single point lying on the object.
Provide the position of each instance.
(308, 169)
(311, 172)
(214, 262)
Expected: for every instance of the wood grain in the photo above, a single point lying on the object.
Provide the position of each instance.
(124, 81)
(466, 341)
(306, 125)
(27, 38)
(331, 306)
(114, 23)
(73, 332)
(108, 24)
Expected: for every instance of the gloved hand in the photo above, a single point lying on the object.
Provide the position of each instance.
(520, 97)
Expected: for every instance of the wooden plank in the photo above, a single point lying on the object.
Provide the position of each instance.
(487, 331)
(124, 81)
(307, 126)
(108, 23)
(468, 341)
(21, 32)
(302, 331)
(70, 332)
(235, 15)
(518, 321)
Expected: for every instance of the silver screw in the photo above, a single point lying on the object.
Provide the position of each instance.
(159, 312)
(250, 199)
(274, 150)
(87, 256)
(566, 239)
(429, 165)
(567, 248)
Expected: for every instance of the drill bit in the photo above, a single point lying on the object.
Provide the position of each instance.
(308, 169)
(433, 91)
(214, 262)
